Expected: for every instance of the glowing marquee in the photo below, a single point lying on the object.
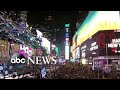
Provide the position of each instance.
(115, 43)
(96, 21)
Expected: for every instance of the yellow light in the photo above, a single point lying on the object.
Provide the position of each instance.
(83, 61)
(104, 20)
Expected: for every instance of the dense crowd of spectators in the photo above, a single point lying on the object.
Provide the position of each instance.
(77, 71)
(71, 71)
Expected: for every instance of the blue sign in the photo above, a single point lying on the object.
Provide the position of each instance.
(43, 72)
(67, 34)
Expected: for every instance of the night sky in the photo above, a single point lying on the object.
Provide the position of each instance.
(54, 22)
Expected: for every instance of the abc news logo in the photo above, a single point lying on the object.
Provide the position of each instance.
(20, 59)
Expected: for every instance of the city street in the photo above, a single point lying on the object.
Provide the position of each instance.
(59, 44)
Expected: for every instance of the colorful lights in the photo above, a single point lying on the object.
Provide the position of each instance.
(67, 25)
(67, 50)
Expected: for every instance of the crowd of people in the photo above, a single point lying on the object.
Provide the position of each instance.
(77, 71)
(69, 71)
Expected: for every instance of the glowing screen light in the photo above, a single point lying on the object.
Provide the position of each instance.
(39, 34)
(67, 25)
(46, 43)
(67, 34)
(97, 21)
(66, 52)
(83, 61)
(67, 29)
(56, 50)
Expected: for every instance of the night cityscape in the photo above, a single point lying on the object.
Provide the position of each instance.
(59, 45)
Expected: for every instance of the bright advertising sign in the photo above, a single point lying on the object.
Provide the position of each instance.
(25, 50)
(66, 52)
(67, 41)
(97, 21)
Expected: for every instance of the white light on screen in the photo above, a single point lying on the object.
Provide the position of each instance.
(53, 46)
(66, 52)
(67, 29)
(83, 61)
(67, 39)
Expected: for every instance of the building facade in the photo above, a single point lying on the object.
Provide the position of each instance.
(95, 34)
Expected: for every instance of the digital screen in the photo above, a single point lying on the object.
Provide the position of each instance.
(67, 29)
(67, 34)
(97, 21)
(106, 39)
(66, 52)
(102, 43)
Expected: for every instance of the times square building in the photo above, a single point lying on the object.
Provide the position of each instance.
(97, 41)
(101, 49)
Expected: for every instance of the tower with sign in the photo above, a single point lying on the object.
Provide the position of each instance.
(67, 46)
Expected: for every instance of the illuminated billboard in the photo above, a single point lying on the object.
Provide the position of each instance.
(94, 22)
(101, 44)
(66, 52)
(109, 42)
(67, 46)
(97, 21)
